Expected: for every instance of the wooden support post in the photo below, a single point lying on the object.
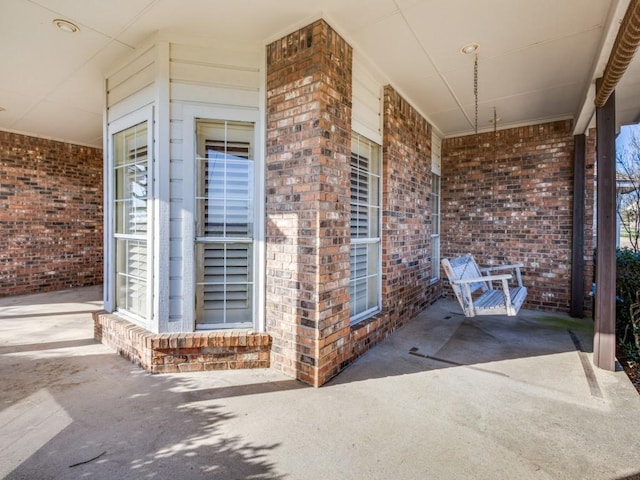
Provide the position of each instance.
(577, 258)
(604, 341)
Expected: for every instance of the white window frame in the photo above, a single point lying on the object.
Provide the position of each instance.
(120, 125)
(359, 317)
(436, 238)
(435, 227)
(191, 115)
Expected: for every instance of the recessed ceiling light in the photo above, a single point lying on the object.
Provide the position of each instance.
(66, 26)
(469, 49)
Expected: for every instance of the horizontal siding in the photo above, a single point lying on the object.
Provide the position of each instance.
(132, 103)
(137, 82)
(366, 113)
(215, 56)
(137, 64)
(214, 75)
(200, 76)
(131, 87)
(220, 95)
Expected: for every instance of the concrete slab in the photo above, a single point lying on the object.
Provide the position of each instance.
(443, 398)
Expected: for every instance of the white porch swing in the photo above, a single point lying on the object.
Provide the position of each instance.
(474, 286)
(467, 280)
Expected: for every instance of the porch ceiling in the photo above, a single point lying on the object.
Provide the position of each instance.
(537, 59)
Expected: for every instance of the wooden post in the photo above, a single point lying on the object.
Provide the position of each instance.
(604, 341)
(577, 256)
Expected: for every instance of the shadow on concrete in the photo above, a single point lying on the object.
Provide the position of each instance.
(71, 408)
(243, 390)
(442, 338)
(136, 425)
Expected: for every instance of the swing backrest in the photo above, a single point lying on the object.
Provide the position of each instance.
(462, 268)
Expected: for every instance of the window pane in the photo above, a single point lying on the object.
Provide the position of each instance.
(225, 287)
(435, 227)
(365, 228)
(130, 176)
(131, 166)
(225, 201)
(365, 266)
(131, 276)
(225, 186)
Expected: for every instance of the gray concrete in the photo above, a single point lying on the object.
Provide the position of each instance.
(443, 398)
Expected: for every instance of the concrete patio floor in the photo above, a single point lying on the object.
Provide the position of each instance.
(443, 398)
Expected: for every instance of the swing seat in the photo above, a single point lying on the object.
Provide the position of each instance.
(474, 287)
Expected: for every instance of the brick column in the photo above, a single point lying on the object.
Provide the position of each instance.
(308, 187)
(406, 184)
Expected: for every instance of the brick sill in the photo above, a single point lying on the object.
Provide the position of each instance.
(182, 352)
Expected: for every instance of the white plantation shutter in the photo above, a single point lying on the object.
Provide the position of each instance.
(365, 226)
(359, 196)
(224, 243)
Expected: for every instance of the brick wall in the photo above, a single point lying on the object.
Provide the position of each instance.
(182, 352)
(508, 198)
(406, 220)
(308, 187)
(50, 215)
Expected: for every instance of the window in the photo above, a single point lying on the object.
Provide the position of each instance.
(435, 227)
(225, 224)
(130, 163)
(364, 286)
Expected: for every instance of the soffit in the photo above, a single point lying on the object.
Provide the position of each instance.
(537, 60)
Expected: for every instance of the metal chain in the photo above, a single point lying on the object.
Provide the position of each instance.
(475, 89)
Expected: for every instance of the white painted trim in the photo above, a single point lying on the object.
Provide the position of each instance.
(367, 132)
(436, 154)
(191, 113)
(135, 118)
(162, 194)
(587, 110)
(260, 271)
(379, 241)
(108, 280)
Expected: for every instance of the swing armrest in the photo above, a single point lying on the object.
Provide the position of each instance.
(487, 278)
(502, 267)
(515, 267)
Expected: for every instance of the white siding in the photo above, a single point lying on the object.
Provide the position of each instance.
(367, 101)
(210, 77)
(131, 95)
(436, 154)
(132, 86)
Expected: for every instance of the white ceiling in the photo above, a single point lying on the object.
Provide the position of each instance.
(537, 59)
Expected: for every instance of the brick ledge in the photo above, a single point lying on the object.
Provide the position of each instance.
(182, 352)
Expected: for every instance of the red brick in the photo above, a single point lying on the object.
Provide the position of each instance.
(51, 217)
(507, 197)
